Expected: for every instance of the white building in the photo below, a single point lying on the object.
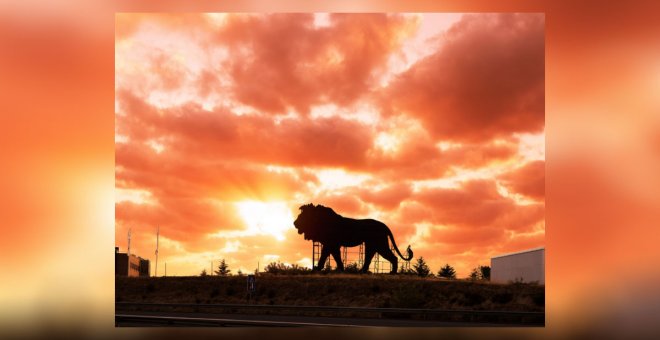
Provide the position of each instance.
(526, 266)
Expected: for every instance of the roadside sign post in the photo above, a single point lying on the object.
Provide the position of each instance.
(251, 286)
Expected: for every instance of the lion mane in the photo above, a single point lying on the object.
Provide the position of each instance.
(322, 224)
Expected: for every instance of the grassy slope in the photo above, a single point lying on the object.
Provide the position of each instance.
(335, 290)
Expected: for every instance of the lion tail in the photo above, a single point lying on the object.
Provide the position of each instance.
(408, 250)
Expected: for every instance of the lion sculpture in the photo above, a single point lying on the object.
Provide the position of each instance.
(324, 225)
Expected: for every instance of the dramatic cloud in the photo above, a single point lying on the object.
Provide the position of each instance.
(227, 123)
(220, 135)
(528, 180)
(347, 205)
(478, 204)
(387, 198)
(284, 61)
(188, 220)
(486, 80)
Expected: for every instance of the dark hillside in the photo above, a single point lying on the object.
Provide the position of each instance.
(336, 290)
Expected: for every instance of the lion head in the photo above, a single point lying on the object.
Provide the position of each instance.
(315, 221)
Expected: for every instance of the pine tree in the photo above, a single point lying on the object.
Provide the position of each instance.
(421, 268)
(223, 268)
(203, 273)
(447, 272)
(240, 273)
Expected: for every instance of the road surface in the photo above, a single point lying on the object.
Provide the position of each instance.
(145, 319)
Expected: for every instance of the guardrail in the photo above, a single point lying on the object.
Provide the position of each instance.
(516, 317)
(157, 320)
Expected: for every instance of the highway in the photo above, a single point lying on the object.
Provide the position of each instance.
(147, 313)
(146, 319)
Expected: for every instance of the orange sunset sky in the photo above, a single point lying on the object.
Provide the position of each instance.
(226, 123)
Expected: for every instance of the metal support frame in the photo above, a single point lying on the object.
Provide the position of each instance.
(317, 247)
(377, 266)
(316, 253)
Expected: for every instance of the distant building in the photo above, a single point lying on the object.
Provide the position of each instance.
(137, 266)
(525, 266)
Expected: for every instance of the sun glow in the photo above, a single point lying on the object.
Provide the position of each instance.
(387, 142)
(266, 218)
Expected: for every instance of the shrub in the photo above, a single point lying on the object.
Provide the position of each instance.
(352, 268)
(407, 271)
(484, 272)
(281, 268)
(474, 275)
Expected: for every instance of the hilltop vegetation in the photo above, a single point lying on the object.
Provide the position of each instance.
(384, 291)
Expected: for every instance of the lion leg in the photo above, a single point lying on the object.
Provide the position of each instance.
(368, 255)
(337, 255)
(324, 256)
(389, 255)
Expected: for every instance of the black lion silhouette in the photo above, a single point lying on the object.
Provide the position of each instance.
(324, 225)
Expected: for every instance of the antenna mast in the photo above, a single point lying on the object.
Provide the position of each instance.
(157, 236)
(128, 254)
(129, 242)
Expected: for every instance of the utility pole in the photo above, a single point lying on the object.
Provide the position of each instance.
(165, 268)
(129, 242)
(157, 236)
(128, 254)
